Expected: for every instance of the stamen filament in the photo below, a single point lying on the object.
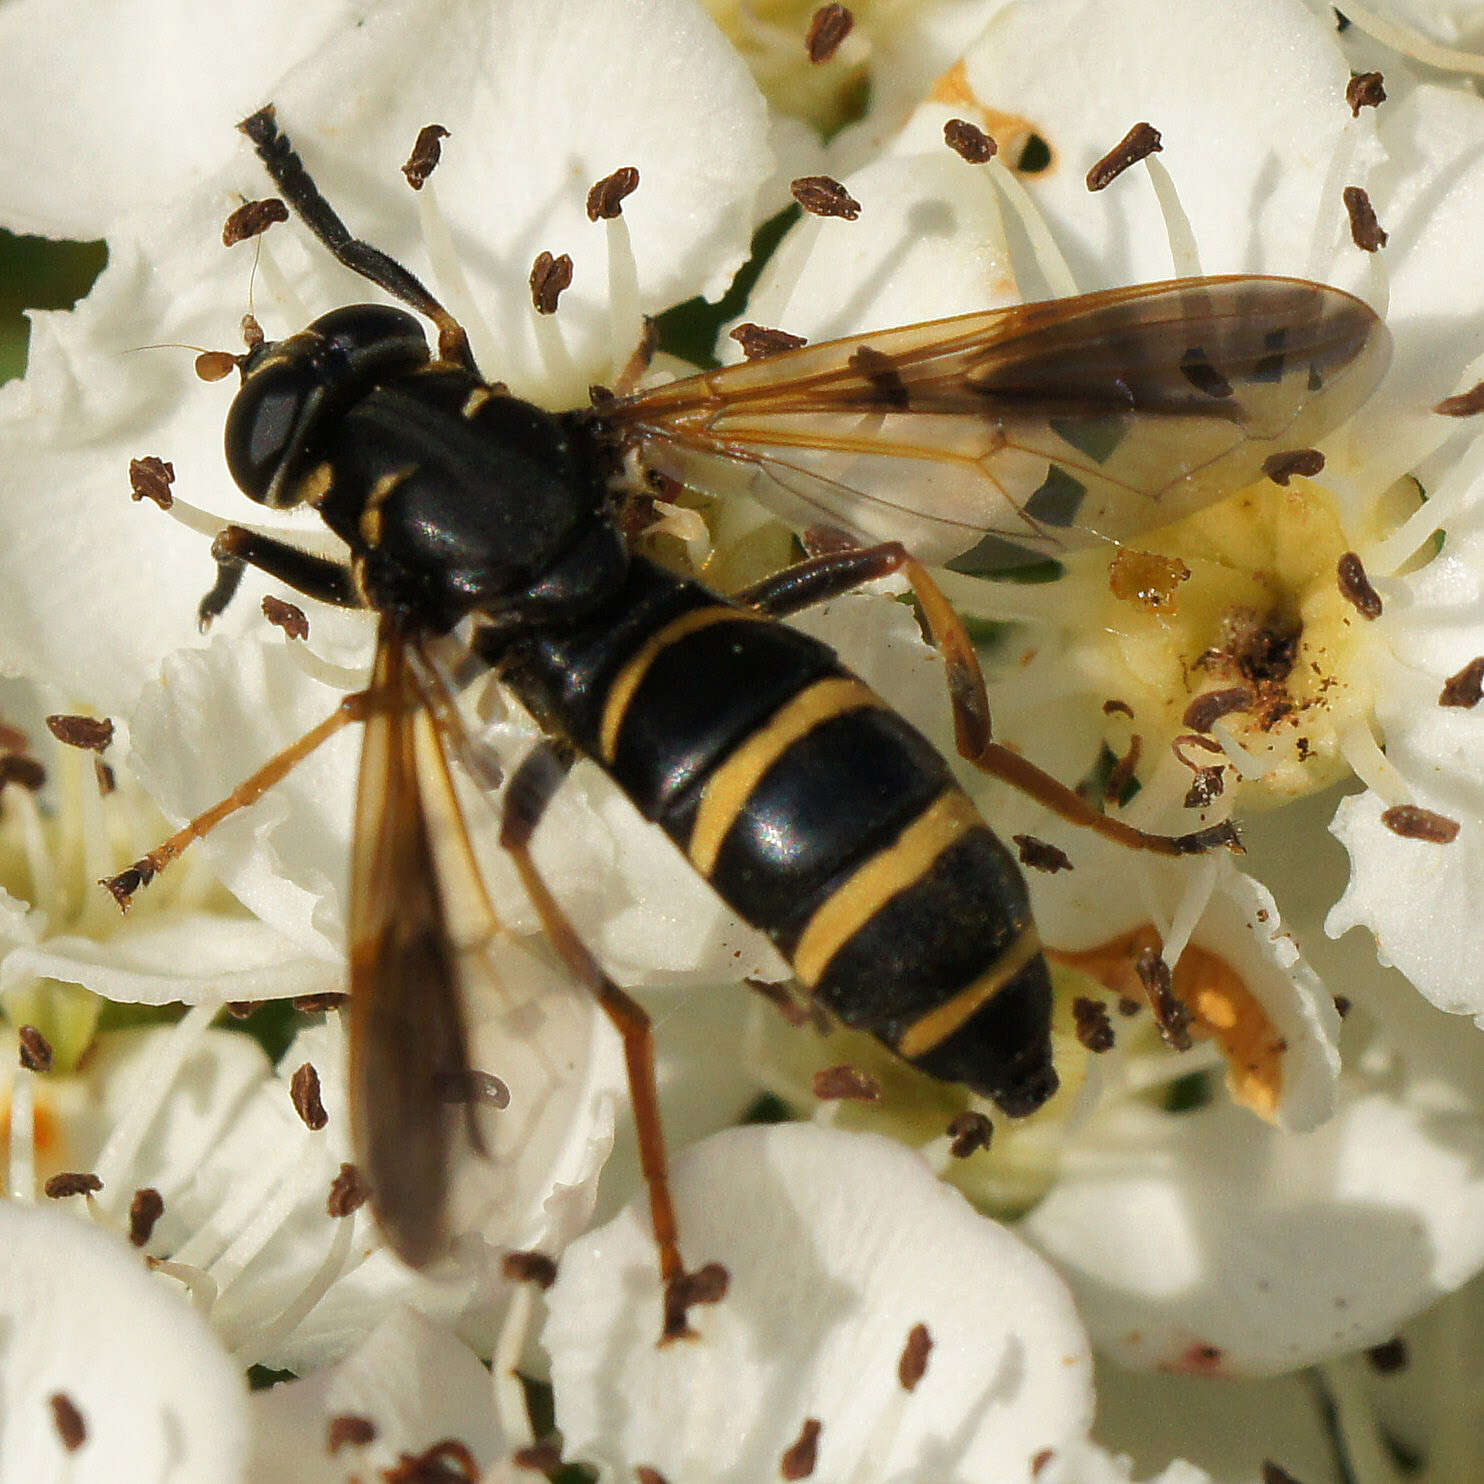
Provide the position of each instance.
(1358, 747)
(1054, 267)
(23, 1136)
(448, 271)
(250, 1350)
(1413, 44)
(1184, 254)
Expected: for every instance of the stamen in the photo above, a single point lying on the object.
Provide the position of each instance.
(511, 1412)
(23, 1136)
(1369, 764)
(197, 1282)
(549, 277)
(625, 315)
(1183, 251)
(150, 478)
(292, 307)
(448, 271)
(1200, 884)
(1048, 258)
(1413, 44)
(1453, 492)
(289, 617)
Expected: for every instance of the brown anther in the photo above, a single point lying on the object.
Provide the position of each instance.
(779, 996)
(252, 219)
(1171, 1014)
(830, 25)
(970, 1132)
(252, 332)
(605, 200)
(539, 1458)
(822, 195)
(969, 142)
(215, 365)
(881, 371)
(644, 1474)
(1193, 739)
(349, 1430)
(912, 1366)
(1041, 855)
(1206, 787)
(320, 1004)
(550, 278)
(1465, 404)
(1093, 1028)
(758, 342)
(1343, 1005)
(1140, 141)
(305, 1096)
(35, 1049)
(1364, 90)
(1210, 706)
(1466, 688)
(530, 1267)
(1389, 1357)
(427, 150)
(72, 1182)
(1414, 823)
(244, 1009)
(90, 733)
(1281, 467)
(145, 1209)
(1040, 1459)
(1355, 586)
(150, 479)
(68, 1421)
(348, 1192)
(846, 1084)
(1273, 1473)
(800, 1457)
(1121, 774)
(289, 617)
(448, 1462)
(1118, 708)
(473, 1085)
(1365, 231)
(707, 1285)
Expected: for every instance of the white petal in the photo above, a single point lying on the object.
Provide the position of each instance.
(414, 1382)
(158, 1397)
(837, 1245)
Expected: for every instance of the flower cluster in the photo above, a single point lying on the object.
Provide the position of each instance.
(1257, 1196)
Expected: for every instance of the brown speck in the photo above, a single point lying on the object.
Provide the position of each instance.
(539, 1458)
(252, 219)
(150, 479)
(1365, 231)
(1389, 1357)
(72, 1182)
(1342, 1005)
(286, 616)
(830, 26)
(1281, 467)
(1118, 708)
(1040, 1460)
(1273, 1473)
(881, 371)
(348, 1192)
(1210, 706)
(68, 1421)
(550, 278)
(90, 733)
(349, 1430)
(215, 365)
(1364, 90)
(1414, 823)
(647, 1475)
(1121, 774)
(244, 1009)
(969, 141)
(970, 1132)
(846, 1084)
(821, 195)
(145, 1209)
(1140, 141)
(320, 1004)
(605, 200)
(427, 150)
(36, 1050)
(448, 1462)
(1041, 855)
(1170, 1012)
(912, 1366)
(304, 1094)
(1355, 586)
(802, 1454)
(1466, 688)
(1094, 1029)
(707, 1285)
(758, 342)
(530, 1267)
(1465, 404)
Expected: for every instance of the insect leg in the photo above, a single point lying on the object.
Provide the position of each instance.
(237, 548)
(290, 176)
(531, 789)
(836, 572)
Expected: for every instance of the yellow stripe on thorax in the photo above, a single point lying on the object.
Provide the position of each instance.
(853, 904)
(932, 1029)
(627, 680)
(731, 785)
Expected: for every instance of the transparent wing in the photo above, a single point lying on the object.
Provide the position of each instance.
(417, 913)
(995, 439)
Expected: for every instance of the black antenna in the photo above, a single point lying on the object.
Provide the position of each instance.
(290, 176)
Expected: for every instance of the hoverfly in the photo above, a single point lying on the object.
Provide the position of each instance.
(813, 809)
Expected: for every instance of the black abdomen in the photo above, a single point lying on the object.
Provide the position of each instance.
(819, 815)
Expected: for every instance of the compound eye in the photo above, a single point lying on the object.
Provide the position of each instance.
(267, 423)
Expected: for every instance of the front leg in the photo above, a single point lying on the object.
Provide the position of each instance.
(237, 547)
